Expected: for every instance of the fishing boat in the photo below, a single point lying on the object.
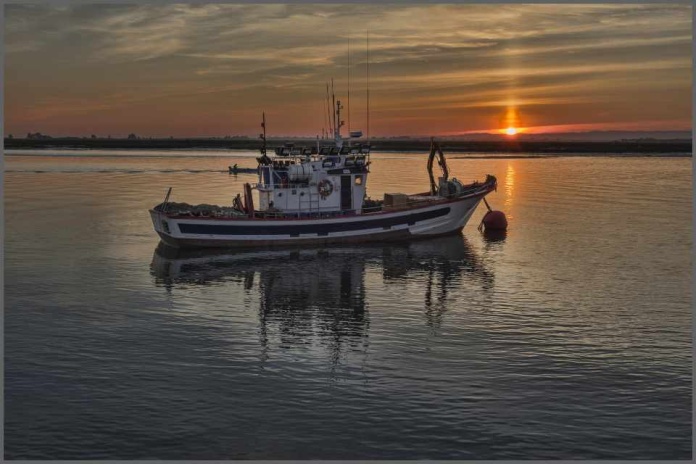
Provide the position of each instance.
(317, 195)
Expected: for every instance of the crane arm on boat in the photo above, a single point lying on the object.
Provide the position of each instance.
(441, 161)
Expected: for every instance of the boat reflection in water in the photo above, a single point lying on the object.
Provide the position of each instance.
(312, 294)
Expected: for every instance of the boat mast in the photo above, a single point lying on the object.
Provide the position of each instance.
(263, 136)
(340, 123)
(337, 118)
(333, 101)
(323, 129)
(328, 111)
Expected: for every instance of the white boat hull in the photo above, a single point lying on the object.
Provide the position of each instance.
(434, 219)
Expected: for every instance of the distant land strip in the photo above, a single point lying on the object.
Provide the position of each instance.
(398, 145)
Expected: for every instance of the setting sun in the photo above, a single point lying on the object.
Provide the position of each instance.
(511, 131)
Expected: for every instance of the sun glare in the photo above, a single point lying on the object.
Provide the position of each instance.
(511, 131)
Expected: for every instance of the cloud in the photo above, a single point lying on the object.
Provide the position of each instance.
(438, 56)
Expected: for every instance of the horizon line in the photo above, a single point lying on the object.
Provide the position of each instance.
(497, 133)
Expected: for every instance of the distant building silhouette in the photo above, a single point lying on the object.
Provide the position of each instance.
(38, 135)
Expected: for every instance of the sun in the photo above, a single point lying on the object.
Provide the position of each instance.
(511, 131)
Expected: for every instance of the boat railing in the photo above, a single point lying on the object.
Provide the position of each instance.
(302, 214)
(378, 205)
(329, 214)
(280, 185)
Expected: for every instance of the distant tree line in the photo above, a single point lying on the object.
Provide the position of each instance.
(38, 135)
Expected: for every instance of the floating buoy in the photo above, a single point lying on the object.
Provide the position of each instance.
(493, 220)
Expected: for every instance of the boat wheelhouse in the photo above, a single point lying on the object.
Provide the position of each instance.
(318, 195)
(330, 182)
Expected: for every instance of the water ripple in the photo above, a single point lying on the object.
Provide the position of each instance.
(567, 338)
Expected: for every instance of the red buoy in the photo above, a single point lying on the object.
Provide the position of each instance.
(495, 220)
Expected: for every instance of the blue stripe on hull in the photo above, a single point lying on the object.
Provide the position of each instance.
(321, 229)
(233, 242)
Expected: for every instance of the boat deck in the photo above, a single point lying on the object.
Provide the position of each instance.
(370, 207)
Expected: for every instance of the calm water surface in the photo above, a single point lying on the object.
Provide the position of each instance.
(568, 338)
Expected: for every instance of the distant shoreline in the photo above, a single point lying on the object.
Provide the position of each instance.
(455, 146)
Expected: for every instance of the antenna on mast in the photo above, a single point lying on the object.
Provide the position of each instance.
(349, 87)
(333, 101)
(328, 111)
(368, 84)
(323, 129)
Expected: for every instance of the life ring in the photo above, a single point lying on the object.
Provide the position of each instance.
(325, 188)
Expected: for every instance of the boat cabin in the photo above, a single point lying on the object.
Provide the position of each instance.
(324, 179)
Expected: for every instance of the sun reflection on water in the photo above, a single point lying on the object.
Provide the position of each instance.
(509, 184)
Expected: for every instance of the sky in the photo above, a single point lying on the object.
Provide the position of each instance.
(212, 69)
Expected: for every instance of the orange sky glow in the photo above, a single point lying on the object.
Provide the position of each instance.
(210, 70)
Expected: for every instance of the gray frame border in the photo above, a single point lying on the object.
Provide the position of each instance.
(404, 2)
